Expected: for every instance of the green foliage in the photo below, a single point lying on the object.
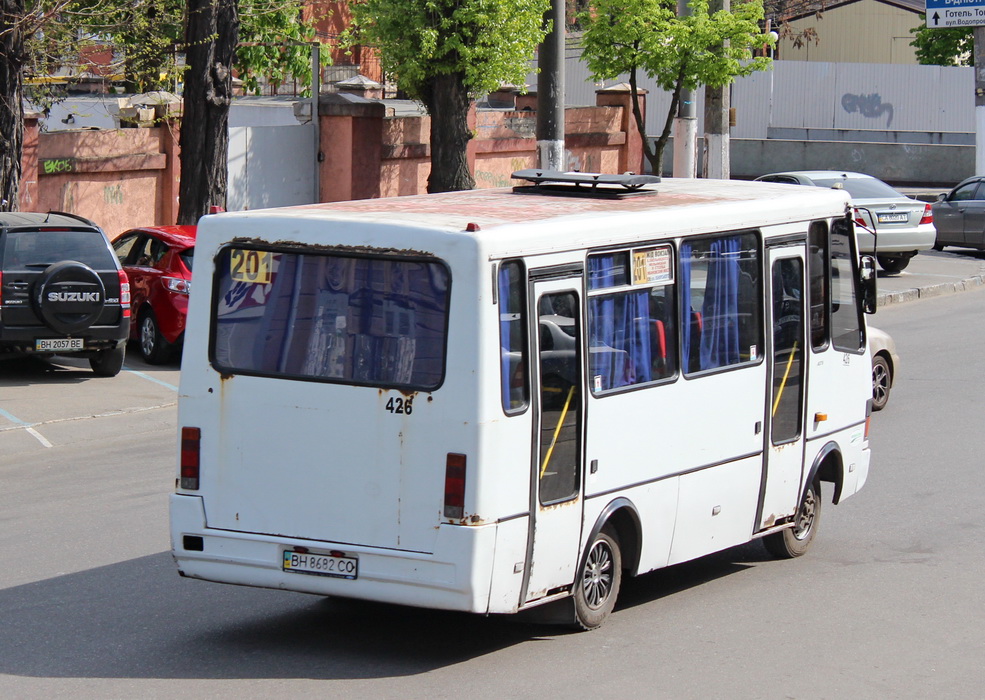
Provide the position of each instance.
(146, 35)
(148, 39)
(275, 42)
(952, 46)
(489, 42)
(677, 52)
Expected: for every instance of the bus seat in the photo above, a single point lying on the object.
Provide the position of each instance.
(660, 338)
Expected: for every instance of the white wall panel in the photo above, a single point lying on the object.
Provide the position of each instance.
(270, 166)
(814, 95)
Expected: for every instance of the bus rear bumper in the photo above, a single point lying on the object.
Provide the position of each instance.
(431, 580)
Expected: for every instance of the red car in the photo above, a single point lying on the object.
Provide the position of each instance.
(158, 261)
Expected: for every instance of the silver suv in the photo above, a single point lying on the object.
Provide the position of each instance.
(62, 290)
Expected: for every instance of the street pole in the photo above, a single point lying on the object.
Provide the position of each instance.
(316, 121)
(685, 124)
(550, 93)
(979, 39)
(716, 151)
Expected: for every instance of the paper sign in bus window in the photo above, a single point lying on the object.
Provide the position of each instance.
(651, 266)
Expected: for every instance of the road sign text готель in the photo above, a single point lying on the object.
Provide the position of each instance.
(955, 13)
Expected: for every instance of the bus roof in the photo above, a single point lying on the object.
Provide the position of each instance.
(677, 207)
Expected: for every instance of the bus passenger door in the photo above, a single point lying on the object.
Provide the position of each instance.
(783, 469)
(556, 465)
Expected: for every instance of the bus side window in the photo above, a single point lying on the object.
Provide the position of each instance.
(846, 312)
(633, 329)
(820, 283)
(512, 336)
(720, 292)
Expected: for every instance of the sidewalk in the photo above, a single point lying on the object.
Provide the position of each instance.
(932, 273)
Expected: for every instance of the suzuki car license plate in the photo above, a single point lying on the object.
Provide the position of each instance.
(894, 218)
(332, 565)
(58, 344)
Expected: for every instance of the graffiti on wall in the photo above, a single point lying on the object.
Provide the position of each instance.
(55, 166)
(113, 194)
(869, 106)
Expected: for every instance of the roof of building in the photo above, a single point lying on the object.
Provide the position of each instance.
(914, 6)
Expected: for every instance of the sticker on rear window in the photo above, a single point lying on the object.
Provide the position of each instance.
(251, 266)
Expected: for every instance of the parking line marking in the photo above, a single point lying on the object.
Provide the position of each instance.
(13, 419)
(27, 427)
(40, 438)
(152, 379)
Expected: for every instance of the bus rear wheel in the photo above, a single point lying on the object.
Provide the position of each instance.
(598, 584)
(796, 540)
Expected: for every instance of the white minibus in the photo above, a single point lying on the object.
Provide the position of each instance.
(492, 400)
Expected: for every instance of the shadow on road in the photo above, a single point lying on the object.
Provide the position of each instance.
(25, 370)
(138, 619)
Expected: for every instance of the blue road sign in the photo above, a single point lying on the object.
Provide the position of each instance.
(955, 13)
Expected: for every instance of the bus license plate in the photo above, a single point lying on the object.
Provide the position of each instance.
(58, 344)
(321, 564)
(893, 218)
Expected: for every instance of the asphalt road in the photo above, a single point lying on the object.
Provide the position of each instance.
(887, 604)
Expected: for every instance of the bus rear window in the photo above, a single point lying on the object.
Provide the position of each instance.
(355, 320)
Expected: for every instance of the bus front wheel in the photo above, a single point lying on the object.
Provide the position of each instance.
(598, 584)
(795, 541)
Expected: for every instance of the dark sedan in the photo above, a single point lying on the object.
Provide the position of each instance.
(959, 215)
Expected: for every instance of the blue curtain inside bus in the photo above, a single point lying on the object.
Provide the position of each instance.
(711, 338)
(620, 352)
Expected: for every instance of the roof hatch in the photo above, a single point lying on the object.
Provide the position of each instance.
(576, 184)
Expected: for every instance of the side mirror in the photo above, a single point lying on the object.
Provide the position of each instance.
(867, 283)
(942, 196)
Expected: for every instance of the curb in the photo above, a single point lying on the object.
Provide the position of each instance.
(934, 290)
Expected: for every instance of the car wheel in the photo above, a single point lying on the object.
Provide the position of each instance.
(598, 584)
(154, 348)
(796, 540)
(938, 245)
(882, 382)
(893, 263)
(69, 297)
(108, 363)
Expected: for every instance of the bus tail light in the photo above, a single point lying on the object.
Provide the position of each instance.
(124, 293)
(455, 486)
(191, 441)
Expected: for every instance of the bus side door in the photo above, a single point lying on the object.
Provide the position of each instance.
(556, 501)
(784, 462)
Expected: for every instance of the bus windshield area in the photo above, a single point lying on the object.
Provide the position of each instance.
(357, 320)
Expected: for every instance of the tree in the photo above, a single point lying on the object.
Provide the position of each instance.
(780, 13)
(211, 41)
(147, 34)
(950, 46)
(275, 43)
(38, 37)
(444, 53)
(646, 36)
(211, 37)
(11, 104)
(27, 31)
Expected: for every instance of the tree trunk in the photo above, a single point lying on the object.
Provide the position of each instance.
(11, 103)
(447, 101)
(656, 161)
(213, 31)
